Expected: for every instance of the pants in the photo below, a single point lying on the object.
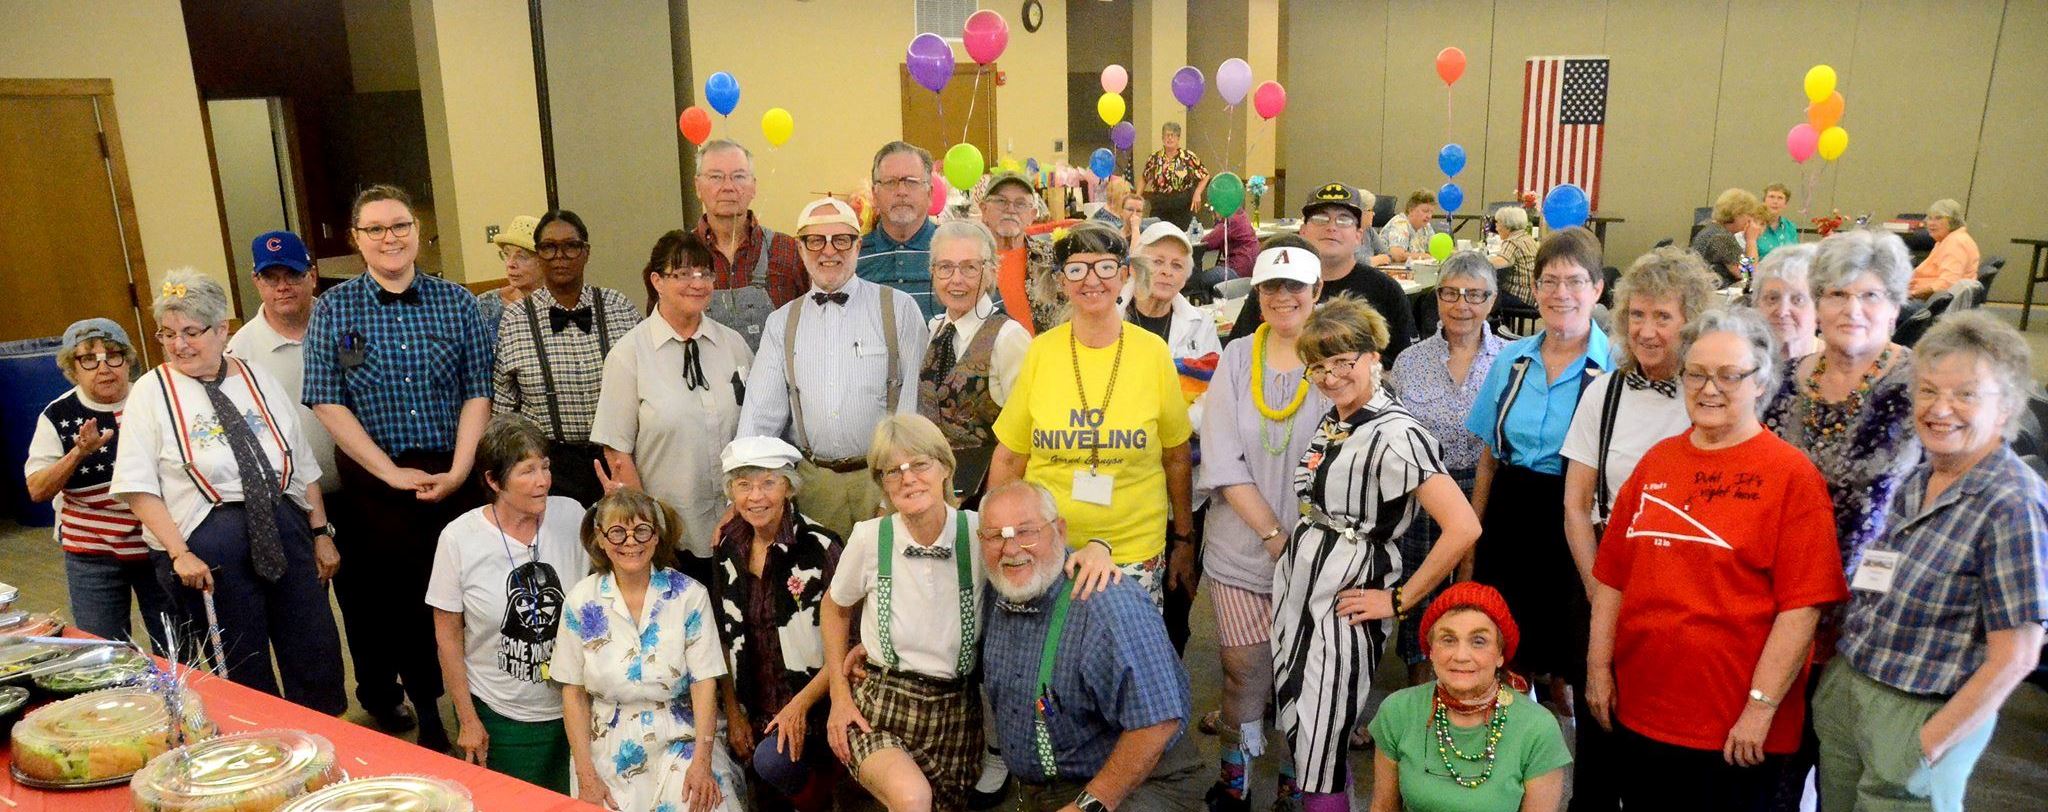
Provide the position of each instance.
(838, 501)
(1175, 785)
(1870, 757)
(100, 586)
(1596, 758)
(534, 752)
(257, 618)
(573, 475)
(1177, 208)
(1657, 775)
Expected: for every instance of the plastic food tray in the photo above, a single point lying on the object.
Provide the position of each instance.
(387, 793)
(244, 772)
(126, 668)
(98, 737)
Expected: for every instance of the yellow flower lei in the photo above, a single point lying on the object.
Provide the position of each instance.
(1259, 381)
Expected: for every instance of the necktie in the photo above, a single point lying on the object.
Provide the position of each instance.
(821, 298)
(259, 480)
(559, 318)
(693, 367)
(942, 351)
(1637, 381)
(921, 551)
(410, 295)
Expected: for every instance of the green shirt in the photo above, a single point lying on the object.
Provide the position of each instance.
(1530, 746)
(1775, 237)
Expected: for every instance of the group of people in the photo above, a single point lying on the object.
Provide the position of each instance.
(884, 505)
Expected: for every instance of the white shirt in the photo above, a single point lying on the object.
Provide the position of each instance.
(1643, 419)
(510, 595)
(924, 603)
(1005, 361)
(285, 359)
(149, 460)
(1190, 333)
(842, 370)
(674, 433)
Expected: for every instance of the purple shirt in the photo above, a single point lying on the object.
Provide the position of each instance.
(1243, 243)
(1237, 448)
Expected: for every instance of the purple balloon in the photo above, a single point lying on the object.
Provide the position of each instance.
(1123, 135)
(930, 60)
(1233, 80)
(1188, 86)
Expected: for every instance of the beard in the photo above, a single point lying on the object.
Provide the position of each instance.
(1042, 576)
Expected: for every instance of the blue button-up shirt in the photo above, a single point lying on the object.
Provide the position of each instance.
(419, 362)
(905, 266)
(1538, 417)
(1115, 670)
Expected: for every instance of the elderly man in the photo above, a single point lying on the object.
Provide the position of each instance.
(1090, 703)
(755, 270)
(834, 362)
(1024, 277)
(898, 253)
(1333, 220)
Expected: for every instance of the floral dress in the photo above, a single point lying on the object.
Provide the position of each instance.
(638, 672)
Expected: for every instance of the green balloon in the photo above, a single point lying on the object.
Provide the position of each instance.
(1226, 194)
(963, 166)
(1440, 246)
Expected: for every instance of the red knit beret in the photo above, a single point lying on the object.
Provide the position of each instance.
(1474, 595)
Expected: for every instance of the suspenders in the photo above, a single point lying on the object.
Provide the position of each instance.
(175, 406)
(796, 403)
(540, 348)
(1517, 374)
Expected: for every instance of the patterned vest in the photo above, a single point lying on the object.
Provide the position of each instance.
(959, 401)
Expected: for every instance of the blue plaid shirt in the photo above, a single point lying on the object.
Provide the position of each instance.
(1975, 561)
(418, 361)
(905, 266)
(1115, 671)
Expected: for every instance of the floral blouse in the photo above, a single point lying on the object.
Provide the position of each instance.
(1175, 171)
(1865, 462)
(1422, 378)
(769, 624)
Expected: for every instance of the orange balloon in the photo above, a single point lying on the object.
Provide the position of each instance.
(1826, 112)
(1450, 64)
(695, 124)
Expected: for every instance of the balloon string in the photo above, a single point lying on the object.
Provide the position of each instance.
(969, 123)
(939, 99)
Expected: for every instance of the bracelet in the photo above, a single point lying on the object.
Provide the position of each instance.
(1105, 545)
(1400, 613)
(1759, 696)
(1271, 535)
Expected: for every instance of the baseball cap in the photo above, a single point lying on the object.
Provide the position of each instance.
(88, 329)
(1163, 230)
(1288, 264)
(1334, 194)
(998, 179)
(274, 248)
(519, 232)
(826, 210)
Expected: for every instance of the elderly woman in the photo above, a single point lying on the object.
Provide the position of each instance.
(1711, 578)
(670, 399)
(522, 271)
(769, 576)
(1239, 241)
(1781, 294)
(1408, 235)
(1153, 300)
(1736, 212)
(214, 465)
(1774, 229)
(70, 460)
(1470, 741)
(1340, 582)
(975, 353)
(912, 732)
(497, 591)
(1945, 612)
(1516, 254)
(1954, 257)
(1173, 180)
(1112, 447)
(640, 677)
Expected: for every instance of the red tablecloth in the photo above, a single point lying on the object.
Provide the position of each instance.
(361, 751)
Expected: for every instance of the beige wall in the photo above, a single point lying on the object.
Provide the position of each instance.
(1159, 47)
(249, 189)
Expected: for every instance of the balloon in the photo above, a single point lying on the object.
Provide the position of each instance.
(1124, 135)
(1451, 159)
(930, 60)
(1111, 108)
(1450, 197)
(695, 124)
(1115, 79)
(1233, 80)
(986, 35)
(1832, 141)
(1269, 99)
(1826, 112)
(1226, 194)
(1102, 163)
(776, 124)
(939, 192)
(1031, 165)
(1565, 206)
(1820, 81)
(1450, 64)
(963, 165)
(1801, 142)
(1188, 86)
(1440, 246)
(722, 92)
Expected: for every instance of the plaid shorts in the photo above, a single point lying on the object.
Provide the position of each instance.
(937, 723)
(1150, 574)
(1243, 617)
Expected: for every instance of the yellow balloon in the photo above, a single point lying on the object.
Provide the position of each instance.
(776, 124)
(1820, 82)
(1111, 108)
(1832, 141)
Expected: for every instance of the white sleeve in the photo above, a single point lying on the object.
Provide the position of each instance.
(911, 338)
(617, 422)
(701, 649)
(566, 667)
(1582, 440)
(444, 582)
(1012, 343)
(45, 448)
(142, 440)
(855, 575)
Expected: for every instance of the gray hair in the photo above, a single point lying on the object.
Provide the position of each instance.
(1048, 508)
(1972, 334)
(509, 439)
(1665, 272)
(1947, 209)
(1845, 255)
(67, 359)
(1747, 325)
(1511, 218)
(1170, 128)
(899, 148)
(796, 480)
(984, 244)
(1469, 265)
(1788, 265)
(195, 295)
(717, 145)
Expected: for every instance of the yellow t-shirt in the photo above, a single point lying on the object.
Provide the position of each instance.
(1145, 416)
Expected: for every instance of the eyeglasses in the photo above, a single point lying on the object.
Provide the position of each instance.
(167, 335)
(692, 275)
(640, 534)
(839, 242)
(920, 466)
(93, 361)
(1774, 298)
(378, 232)
(1338, 220)
(901, 184)
(1470, 295)
(569, 249)
(1867, 298)
(1725, 380)
(997, 535)
(1929, 395)
(1104, 269)
(721, 178)
(1277, 287)
(1011, 203)
(513, 253)
(1331, 366)
(1575, 284)
(946, 270)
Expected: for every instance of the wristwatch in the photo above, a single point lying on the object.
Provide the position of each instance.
(325, 530)
(1759, 696)
(1087, 802)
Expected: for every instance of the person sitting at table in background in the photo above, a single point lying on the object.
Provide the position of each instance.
(497, 595)
(522, 271)
(1026, 283)
(1239, 242)
(1775, 229)
(975, 353)
(71, 461)
(1516, 254)
(1333, 222)
(640, 676)
(1783, 296)
(1408, 235)
(1372, 245)
(755, 269)
(1945, 616)
(1735, 212)
(770, 573)
(1954, 257)
(1470, 740)
(1174, 179)
(214, 465)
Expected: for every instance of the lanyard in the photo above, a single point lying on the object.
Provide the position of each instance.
(1041, 730)
(885, 568)
(1081, 389)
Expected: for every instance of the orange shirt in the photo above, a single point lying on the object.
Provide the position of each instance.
(1953, 260)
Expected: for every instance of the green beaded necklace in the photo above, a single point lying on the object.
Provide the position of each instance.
(1440, 725)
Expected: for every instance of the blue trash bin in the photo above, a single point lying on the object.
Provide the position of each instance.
(29, 380)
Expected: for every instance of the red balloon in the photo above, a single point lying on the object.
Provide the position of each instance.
(939, 194)
(1450, 64)
(1269, 99)
(985, 35)
(695, 124)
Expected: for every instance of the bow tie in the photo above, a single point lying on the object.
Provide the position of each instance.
(1016, 608)
(921, 551)
(411, 295)
(560, 318)
(821, 298)
(1637, 381)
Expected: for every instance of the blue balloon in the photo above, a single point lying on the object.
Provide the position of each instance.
(1031, 165)
(1451, 159)
(722, 92)
(1102, 163)
(1565, 206)
(1450, 198)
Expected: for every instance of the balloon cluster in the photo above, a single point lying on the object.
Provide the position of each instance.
(930, 60)
(1450, 66)
(722, 92)
(1822, 133)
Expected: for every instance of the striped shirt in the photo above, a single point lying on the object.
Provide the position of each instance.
(407, 367)
(90, 519)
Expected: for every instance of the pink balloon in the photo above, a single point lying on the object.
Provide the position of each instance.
(939, 194)
(1269, 99)
(1801, 142)
(1233, 80)
(986, 35)
(1115, 79)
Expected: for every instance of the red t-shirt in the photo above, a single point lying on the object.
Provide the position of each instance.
(1707, 547)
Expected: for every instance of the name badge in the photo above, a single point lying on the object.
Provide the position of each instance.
(1876, 572)
(1093, 488)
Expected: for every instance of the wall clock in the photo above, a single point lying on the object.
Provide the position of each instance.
(1034, 15)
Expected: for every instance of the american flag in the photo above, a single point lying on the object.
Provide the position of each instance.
(1564, 123)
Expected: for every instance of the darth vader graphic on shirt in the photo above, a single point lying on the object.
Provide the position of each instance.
(533, 609)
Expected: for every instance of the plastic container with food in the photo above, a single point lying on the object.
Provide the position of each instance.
(16, 660)
(31, 624)
(386, 793)
(125, 667)
(100, 738)
(255, 771)
(12, 699)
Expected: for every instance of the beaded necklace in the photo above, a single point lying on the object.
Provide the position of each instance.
(1440, 725)
(1824, 431)
(1272, 416)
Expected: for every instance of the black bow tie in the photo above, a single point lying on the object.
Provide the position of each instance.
(836, 298)
(560, 318)
(411, 295)
(921, 551)
(1016, 608)
(1637, 381)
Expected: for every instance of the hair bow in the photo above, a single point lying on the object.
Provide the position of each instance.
(174, 290)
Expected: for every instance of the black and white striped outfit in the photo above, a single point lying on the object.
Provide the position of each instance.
(1358, 481)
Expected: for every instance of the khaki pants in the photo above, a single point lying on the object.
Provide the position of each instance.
(838, 501)
(1870, 757)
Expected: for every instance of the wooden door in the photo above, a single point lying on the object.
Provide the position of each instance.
(969, 108)
(73, 250)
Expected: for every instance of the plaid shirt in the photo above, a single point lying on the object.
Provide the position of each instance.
(420, 360)
(575, 358)
(1975, 561)
(787, 278)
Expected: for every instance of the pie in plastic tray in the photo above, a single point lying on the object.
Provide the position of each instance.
(244, 772)
(386, 793)
(101, 737)
(126, 667)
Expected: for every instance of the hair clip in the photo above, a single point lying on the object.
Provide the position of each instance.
(171, 289)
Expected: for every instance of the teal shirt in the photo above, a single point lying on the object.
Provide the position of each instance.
(1532, 432)
(1783, 234)
(905, 266)
(1530, 746)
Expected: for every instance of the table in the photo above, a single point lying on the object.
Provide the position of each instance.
(1596, 221)
(1284, 226)
(2034, 275)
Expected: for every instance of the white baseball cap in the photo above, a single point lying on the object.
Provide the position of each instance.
(827, 210)
(1163, 230)
(1287, 263)
(758, 452)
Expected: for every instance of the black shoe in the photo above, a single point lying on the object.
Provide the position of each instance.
(397, 719)
(434, 737)
(1220, 800)
(979, 801)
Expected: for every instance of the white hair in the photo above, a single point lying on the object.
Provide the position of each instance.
(193, 294)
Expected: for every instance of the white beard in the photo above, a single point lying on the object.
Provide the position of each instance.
(1030, 590)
